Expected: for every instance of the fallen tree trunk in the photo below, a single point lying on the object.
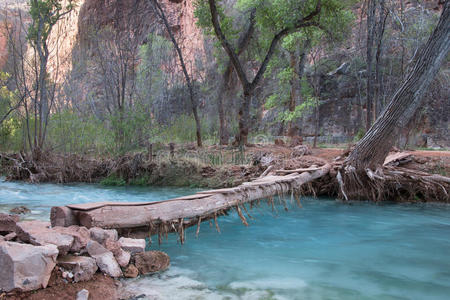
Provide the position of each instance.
(176, 214)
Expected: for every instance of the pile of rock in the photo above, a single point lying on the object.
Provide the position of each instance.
(30, 250)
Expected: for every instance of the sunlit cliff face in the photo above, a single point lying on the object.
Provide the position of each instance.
(3, 44)
(75, 30)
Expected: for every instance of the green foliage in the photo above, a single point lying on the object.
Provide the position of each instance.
(70, 132)
(180, 130)
(44, 15)
(151, 78)
(140, 181)
(11, 126)
(113, 180)
(359, 135)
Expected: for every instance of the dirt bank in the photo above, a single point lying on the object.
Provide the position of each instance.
(100, 287)
(210, 167)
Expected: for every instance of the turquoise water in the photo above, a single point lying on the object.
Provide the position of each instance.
(324, 250)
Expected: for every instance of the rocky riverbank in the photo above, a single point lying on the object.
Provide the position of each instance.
(67, 260)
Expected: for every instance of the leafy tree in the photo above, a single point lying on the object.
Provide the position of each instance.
(274, 21)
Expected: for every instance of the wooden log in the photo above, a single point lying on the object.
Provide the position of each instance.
(169, 212)
(62, 216)
(396, 157)
(298, 170)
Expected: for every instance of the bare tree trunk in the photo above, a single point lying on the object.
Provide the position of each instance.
(160, 13)
(380, 26)
(294, 85)
(225, 86)
(244, 118)
(371, 10)
(223, 90)
(373, 148)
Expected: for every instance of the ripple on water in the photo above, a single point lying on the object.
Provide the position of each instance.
(325, 250)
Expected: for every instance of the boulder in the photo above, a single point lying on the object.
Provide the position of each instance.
(123, 257)
(2, 238)
(131, 272)
(80, 236)
(38, 233)
(82, 267)
(101, 235)
(83, 295)
(104, 258)
(132, 245)
(8, 222)
(25, 229)
(26, 267)
(151, 261)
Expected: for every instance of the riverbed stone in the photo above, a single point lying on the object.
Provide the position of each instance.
(26, 267)
(104, 258)
(38, 233)
(123, 257)
(83, 295)
(82, 267)
(8, 222)
(20, 210)
(132, 245)
(80, 236)
(131, 272)
(151, 261)
(101, 235)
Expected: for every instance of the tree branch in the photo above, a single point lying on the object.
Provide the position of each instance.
(301, 23)
(250, 86)
(226, 45)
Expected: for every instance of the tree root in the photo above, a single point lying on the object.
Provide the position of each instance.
(391, 183)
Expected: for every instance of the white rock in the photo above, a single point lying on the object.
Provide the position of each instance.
(108, 264)
(82, 267)
(26, 267)
(123, 258)
(38, 233)
(101, 235)
(132, 245)
(83, 295)
(104, 258)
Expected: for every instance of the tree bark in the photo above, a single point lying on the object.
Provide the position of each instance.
(226, 78)
(371, 10)
(373, 148)
(380, 27)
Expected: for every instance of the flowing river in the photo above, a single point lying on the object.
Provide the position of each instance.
(324, 250)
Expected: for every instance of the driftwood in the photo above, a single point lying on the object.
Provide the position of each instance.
(301, 170)
(176, 214)
(396, 157)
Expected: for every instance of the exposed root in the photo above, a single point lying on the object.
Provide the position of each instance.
(392, 183)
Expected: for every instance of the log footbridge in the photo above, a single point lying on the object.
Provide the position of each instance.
(143, 219)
